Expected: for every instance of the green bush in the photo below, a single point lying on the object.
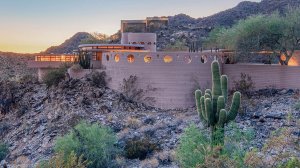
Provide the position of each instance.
(94, 142)
(292, 163)
(71, 161)
(53, 77)
(139, 149)
(194, 146)
(195, 149)
(3, 151)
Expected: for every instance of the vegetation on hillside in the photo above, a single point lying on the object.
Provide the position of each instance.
(93, 142)
(276, 33)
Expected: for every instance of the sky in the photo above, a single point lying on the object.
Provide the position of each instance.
(31, 26)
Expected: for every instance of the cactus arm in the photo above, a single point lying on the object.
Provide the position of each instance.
(198, 95)
(209, 111)
(236, 101)
(207, 96)
(216, 83)
(202, 102)
(224, 87)
(208, 91)
(222, 118)
(220, 105)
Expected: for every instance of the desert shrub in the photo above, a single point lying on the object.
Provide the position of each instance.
(297, 106)
(245, 85)
(177, 45)
(28, 79)
(3, 151)
(53, 77)
(150, 163)
(292, 163)
(98, 79)
(194, 146)
(4, 127)
(195, 149)
(94, 142)
(281, 144)
(70, 161)
(131, 90)
(139, 148)
(76, 67)
(133, 122)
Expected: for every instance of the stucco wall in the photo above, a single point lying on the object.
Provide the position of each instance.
(265, 75)
(146, 39)
(174, 81)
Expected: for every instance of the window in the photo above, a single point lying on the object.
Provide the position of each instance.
(117, 57)
(107, 57)
(187, 59)
(130, 58)
(147, 58)
(168, 58)
(204, 59)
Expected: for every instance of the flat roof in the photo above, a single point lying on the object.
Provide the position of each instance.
(110, 45)
(134, 21)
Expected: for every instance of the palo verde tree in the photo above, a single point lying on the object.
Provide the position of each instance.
(276, 32)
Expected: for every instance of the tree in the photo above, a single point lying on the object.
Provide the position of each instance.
(277, 33)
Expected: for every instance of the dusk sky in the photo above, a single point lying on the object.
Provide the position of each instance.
(29, 26)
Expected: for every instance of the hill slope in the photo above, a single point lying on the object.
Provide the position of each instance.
(69, 45)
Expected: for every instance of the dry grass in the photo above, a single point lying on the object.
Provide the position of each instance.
(133, 123)
(150, 163)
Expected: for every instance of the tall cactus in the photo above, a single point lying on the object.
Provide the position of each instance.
(84, 60)
(211, 105)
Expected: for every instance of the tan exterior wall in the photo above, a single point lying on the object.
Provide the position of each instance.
(174, 81)
(146, 39)
(265, 75)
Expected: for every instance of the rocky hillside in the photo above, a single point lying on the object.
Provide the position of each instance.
(32, 116)
(184, 27)
(14, 66)
(69, 45)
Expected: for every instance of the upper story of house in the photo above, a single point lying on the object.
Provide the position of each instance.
(150, 24)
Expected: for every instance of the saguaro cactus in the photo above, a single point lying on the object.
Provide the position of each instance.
(212, 103)
(84, 60)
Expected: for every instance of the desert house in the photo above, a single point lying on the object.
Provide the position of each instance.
(174, 75)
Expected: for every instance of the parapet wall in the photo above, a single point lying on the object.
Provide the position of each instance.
(263, 76)
(176, 80)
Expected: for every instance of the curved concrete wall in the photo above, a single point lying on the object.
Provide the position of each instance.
(175, 81)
